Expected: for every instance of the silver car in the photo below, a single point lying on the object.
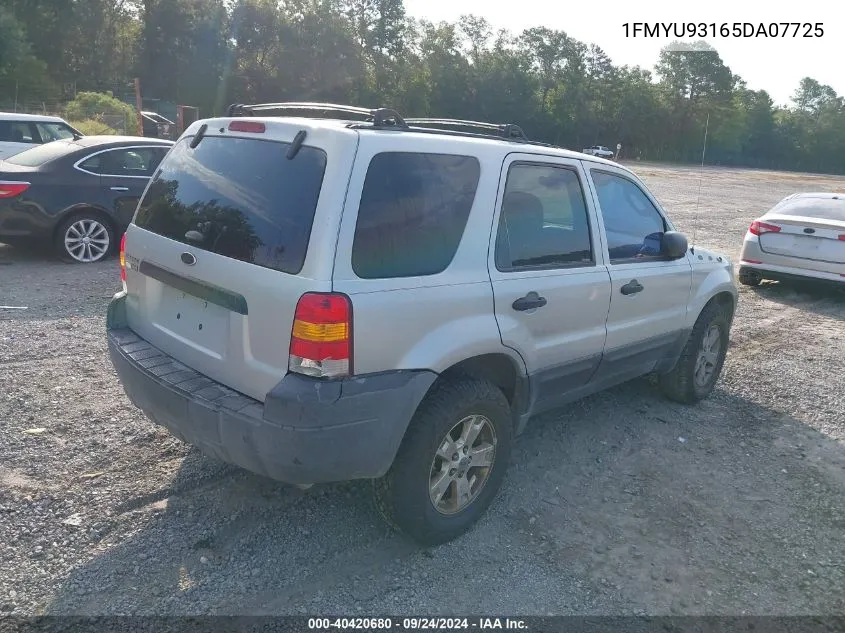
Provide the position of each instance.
(322, 299)
(802, 236)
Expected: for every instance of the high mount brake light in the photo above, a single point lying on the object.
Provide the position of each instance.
(247, 126)
(321, 337)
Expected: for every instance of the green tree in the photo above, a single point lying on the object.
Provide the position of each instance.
(93, 105)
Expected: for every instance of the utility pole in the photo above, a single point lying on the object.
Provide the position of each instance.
(139, 106)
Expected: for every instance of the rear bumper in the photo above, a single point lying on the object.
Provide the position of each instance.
(307, 430)
(23, 220)
(789, 273)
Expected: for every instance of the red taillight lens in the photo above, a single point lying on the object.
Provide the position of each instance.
(123, 258)
(321, 338)
(758, 228)
(10, 189)
(842, 238)
(247, 126)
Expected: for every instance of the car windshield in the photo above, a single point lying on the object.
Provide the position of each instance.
(42, 154)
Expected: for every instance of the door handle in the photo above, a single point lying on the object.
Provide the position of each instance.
(632, 287)
(119, 188)
(529, 302)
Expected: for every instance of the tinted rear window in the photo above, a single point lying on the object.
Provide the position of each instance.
(41, 154)
(413, 211)
(241, 198)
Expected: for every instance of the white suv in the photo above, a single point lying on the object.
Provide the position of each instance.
(19, 132)
(599, 150)
(323, 299)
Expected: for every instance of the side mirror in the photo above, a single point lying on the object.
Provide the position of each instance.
(674, 245)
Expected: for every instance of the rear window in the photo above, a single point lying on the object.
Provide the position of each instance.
(41, 154)
(820, 208)
(413, 211)
(240, 198)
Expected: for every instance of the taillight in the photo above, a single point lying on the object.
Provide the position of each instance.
(321, 338)
(842, 238)
(758, 228)
(10, 189)
(123, 258)
(247, 126)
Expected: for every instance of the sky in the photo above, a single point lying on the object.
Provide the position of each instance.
(772, 64)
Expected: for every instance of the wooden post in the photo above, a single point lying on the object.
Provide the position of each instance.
(139, 106)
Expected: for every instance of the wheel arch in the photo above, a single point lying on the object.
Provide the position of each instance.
(499, 369)
(724, 299)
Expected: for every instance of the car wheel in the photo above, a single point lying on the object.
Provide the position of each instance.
(700, 364)
(750, 277)
(451, 463)
(84, 238)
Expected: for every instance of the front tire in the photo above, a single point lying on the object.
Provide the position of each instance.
(451, 463)
(700, 364)
(84, 238)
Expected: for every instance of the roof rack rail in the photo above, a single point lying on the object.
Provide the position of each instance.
(504, 130)
(381, 117)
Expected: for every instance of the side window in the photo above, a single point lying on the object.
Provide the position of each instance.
(544, 220)
(54, 131)
(413, 211)
(157, 155)
(18, 132)
(93, 164)
(633, 225)
(132, 161)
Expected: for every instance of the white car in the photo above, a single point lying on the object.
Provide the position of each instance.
(802, 236)
(19, 132)
(599, 150)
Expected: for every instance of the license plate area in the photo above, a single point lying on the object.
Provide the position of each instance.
(195, 321)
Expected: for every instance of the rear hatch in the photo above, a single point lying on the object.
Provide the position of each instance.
(228, 236)
(817, 239)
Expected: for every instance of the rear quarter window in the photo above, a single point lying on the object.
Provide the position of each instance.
(413, 212)
(240, 198)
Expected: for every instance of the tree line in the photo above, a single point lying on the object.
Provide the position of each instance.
(209, 53)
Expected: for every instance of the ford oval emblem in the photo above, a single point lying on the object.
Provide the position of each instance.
(188, 258)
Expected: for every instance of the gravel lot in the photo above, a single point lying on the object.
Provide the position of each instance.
(621, 504)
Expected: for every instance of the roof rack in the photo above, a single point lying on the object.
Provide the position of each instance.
(386, 118)
(380, 117)
(504, 130)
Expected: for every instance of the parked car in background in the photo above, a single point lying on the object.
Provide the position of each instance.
(78, 194)
(599, 150)
(20, 132)
(157, 126)
(274, 276)
(801, 237)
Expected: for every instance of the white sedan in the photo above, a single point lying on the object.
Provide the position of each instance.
(802, 236)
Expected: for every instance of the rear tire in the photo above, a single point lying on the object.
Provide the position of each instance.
(464, 418)
(750, 277)
(700, 364)
(85, 238)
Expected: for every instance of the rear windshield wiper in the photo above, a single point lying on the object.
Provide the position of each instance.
(296, 144)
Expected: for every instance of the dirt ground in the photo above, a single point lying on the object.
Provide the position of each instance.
(620, 504)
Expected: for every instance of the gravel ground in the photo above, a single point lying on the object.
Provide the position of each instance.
(620, 504)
